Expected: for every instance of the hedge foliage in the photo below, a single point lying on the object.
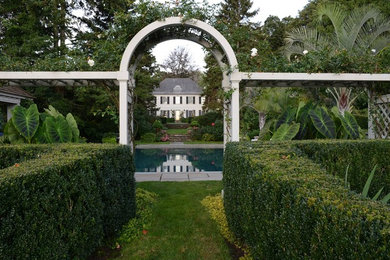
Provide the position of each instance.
(285, 206)
(360, 155)
(60, 202)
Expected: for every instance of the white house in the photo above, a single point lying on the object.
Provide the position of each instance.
(178, 97)
(10, 97)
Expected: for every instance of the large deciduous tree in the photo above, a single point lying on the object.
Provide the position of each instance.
(179, 63)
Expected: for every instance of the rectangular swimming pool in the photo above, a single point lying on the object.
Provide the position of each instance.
(178, 160)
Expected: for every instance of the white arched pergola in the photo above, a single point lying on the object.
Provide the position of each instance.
(230, 81)
(231, 76)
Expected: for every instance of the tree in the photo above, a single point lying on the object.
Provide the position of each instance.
(179, 63)
(361, 31)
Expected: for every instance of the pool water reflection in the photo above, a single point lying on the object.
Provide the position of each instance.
(178, 160)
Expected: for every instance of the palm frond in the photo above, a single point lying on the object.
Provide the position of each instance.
(357, 25)
(336, 16)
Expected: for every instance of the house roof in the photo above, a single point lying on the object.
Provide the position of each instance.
(184, 86)
(15, 91)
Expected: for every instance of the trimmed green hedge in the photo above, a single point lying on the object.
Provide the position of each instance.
(285, 206)
(63, 203)
(11, 154)
(360, 155)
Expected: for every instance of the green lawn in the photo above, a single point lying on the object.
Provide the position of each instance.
(176, 131)
(181, 227)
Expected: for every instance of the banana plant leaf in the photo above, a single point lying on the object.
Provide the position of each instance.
(58, 130)
(26, 121)
(12, 134)
(323, 122)
(73, 125)
(286, 118)
(286, 132)
(350, 125)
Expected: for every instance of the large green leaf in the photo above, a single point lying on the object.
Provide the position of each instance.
(73, 125)
(53, 112)
(286, 118)
(323, 122)
(286, 132)
(350, 125)
(12, 134)
(26, 121)
(58, 130)
(40, 137)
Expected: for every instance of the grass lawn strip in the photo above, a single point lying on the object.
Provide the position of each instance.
(180, 227)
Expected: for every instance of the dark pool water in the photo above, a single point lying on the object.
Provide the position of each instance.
(178, 160)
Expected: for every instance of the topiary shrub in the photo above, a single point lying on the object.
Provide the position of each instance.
(282, 205)
(60, 202)
(148, 138)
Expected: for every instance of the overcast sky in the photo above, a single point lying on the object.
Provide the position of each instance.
(280, 8)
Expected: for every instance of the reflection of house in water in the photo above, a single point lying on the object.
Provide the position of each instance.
(177, 163)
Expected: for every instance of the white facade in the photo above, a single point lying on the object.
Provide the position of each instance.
(178, 98)
(179, 106)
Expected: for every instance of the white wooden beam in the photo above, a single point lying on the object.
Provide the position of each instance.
(62, 75)
(314, 76)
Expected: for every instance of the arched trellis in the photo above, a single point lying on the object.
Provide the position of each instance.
(230, 81)
(231, 78)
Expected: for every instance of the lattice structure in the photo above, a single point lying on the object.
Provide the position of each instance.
(380, 117)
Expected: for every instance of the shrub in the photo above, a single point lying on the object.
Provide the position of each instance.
(208, 118)
(284, 206)
(61, 201)
(196, 134)
(194, 123)
(148, 138)
(208, 137)
(133, 229)
(157, 125)
(360, 155)
(170, 120)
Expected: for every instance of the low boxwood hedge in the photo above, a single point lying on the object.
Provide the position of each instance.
(285, 206)
(62, 203)
(360, 155)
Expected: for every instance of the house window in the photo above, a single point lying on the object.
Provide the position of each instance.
(164, 100)
(200, 100)
(186, 100)
(193, 99)
(181, 100)
(200, 112)
(191, 113)
(174, 100)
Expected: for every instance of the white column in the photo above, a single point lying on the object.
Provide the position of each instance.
(235, 111)
(371, 102)
(123, 114)
(9, 110)
(226, 126)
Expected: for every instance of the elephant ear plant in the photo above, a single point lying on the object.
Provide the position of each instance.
(27, 125)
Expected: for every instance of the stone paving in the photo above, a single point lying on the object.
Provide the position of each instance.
(162, 176)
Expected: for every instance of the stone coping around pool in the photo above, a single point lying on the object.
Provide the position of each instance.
(179, 145)
(190, 176)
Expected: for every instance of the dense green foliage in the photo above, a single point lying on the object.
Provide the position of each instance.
(60, 202)
(284, 206)
(360, 156)
(27, 125)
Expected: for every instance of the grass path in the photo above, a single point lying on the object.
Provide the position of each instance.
(181, 228)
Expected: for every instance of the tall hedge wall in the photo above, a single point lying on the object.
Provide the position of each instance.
(285, 206)
(360, 155)
(59, 202)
